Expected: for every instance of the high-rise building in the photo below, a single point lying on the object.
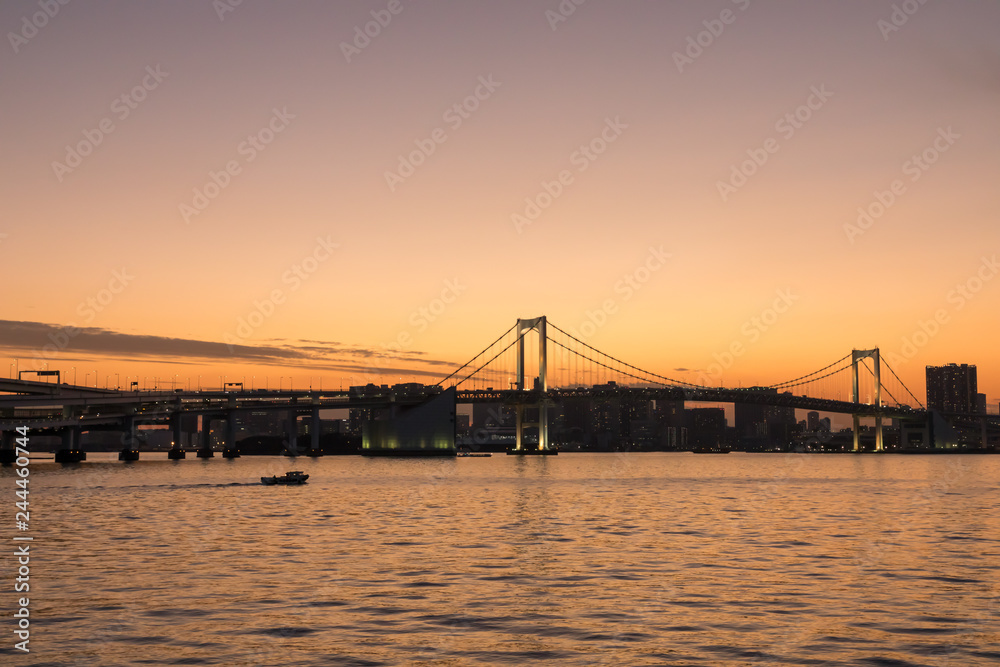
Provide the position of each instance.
(764, 426)
(707, 427)
(812, 421)
(952, 388)
(670, 413)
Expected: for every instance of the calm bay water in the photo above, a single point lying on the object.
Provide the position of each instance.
(580, 559)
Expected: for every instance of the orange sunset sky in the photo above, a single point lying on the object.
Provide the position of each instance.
(173, 170)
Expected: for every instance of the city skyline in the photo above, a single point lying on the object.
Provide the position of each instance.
(267, 191)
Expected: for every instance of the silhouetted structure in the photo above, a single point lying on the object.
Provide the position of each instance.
(427, 429)
(762, 427)
(707, 427)
(952, 388)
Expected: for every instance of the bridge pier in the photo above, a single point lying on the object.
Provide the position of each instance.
(205, 452)
(176, 450)
(129, 451)
(70, 451)
(292, 448)
(7, 452)
(314, 433)
(229, 451)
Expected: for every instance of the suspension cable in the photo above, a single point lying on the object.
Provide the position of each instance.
(789, 386)
(884, 388)
(904, 385)
(780, 384)
(555, 342)
(476, 357)
(514, 342)
(663, 377)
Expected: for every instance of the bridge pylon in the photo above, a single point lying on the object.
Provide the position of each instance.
(523, 327)
(857, 356)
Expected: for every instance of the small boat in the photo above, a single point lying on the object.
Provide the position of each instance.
(473, 455)
(290, 477)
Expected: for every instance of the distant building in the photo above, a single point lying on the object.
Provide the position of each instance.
(812, 421)
(764, 426)
(670, 413)
(707, 427)
(952, 388)
(492, 415)
(674, 438)
(258, 422)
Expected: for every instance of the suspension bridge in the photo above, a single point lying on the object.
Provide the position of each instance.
(561, 366)
(568, 367)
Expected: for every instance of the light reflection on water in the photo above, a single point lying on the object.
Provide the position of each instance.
(582, 559)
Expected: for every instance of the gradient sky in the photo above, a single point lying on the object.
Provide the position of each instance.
(889, 92)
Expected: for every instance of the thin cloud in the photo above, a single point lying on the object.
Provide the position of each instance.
(37, 338)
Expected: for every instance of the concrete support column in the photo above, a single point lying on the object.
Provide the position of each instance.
(8, 455)
(314, 428)
(70, 451)
(230, 429)
(128, 437)
(229, 450)
(129, 451)
(175, 427)
(293, 432)
(205, 452)
(518, 437)
(857, 432)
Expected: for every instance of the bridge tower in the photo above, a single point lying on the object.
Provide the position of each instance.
(857, 356)
(523, 327)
